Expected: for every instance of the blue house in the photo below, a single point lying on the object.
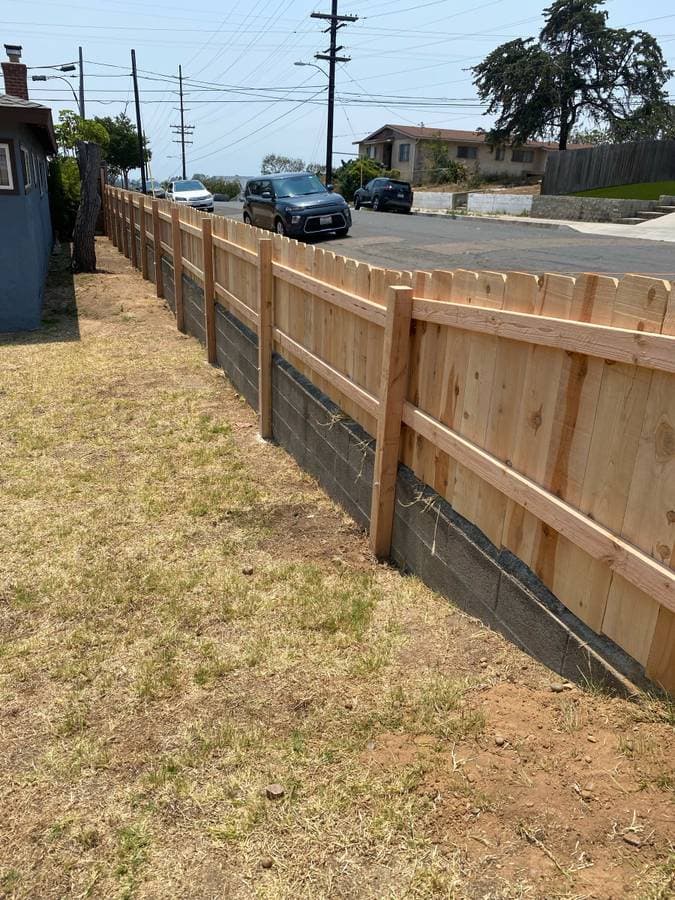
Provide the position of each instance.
(26, 141)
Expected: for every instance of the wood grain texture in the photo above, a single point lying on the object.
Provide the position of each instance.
(393, 389)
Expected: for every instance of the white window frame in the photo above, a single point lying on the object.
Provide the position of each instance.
(7, 150)
(522, 152)
(26, 168)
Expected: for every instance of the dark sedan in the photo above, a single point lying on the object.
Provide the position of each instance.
(298, 205)
(385, 193)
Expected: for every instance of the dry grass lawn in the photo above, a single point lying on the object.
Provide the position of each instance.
(186, 619)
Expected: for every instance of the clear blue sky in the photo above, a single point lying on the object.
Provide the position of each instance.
(409, 63)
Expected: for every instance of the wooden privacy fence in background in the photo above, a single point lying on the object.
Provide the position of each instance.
(542, 408)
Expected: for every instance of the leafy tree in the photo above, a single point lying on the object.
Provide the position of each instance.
(272, 164)
(579, 68)
(64, 194)
(440, 167)
(653, 121)
(122, 152)
(71, 128)
(216, 184)
(591, 136)
(351, 175)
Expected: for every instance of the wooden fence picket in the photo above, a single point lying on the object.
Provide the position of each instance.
(265, 329)
(157, 249)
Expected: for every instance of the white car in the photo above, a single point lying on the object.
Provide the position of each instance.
(192, 193)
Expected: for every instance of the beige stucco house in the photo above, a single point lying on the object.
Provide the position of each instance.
(402, 147)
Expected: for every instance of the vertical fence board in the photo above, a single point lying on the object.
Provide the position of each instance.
(265, 343)
(209, 296)
(157, 250)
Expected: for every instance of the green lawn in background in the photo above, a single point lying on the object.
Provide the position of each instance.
(646, 190)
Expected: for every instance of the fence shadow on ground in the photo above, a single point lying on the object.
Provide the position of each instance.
(60, 317)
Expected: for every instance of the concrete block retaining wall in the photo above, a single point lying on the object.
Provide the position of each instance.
(439, 200)
(512, 204)
(588, 209)
(430, 539)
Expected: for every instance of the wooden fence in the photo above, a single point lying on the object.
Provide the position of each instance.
(542, 408)
(608, 164)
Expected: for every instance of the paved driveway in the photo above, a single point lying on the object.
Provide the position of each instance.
(421, 242)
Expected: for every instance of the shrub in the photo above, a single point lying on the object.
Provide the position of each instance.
(64, 195)
(351, 175)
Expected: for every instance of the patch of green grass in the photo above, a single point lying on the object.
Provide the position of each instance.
(132, 848)
(647, 190)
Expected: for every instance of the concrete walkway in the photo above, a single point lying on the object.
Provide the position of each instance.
(661, 229)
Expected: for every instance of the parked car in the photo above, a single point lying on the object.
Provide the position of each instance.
(298, 205)
(384, 193)
(154, 189)
(192, 193)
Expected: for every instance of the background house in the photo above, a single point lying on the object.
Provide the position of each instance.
(405, 147)
(26, 140)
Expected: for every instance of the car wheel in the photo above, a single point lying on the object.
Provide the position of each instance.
(376, 204)
(247, 219)
(357, 203)
(342, 232)
(279, 227)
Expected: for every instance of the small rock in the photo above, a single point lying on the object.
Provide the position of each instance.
(274, 792)
(632, 839)
(590, 786)
(475, 811)
(470, 777)
(530, 804)
(267, 862)
(370, 745)
(499, 740)
(587, 796)
(588, 759)
(483, 659)
(557, 687)
(591, 739)
(247, 570)
(349, 704)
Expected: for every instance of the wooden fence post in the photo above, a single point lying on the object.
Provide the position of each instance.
(393, 387)
(265, 344)
(118, 226)
(177, 255)
(209, 295)
(113, 216)
(104, 208)
(125, 230)
(143, 237)
(157, 249)
(132, 232)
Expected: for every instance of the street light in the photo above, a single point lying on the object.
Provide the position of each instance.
(329, 129)
(61, 78)
(314, 66)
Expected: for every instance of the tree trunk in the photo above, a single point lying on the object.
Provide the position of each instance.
(84, 245)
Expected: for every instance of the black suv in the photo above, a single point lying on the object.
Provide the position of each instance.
(297, 205)
(385, 193)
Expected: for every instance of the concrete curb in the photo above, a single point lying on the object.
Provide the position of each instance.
(517, 220)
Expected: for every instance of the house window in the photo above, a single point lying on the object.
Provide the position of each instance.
(6, 174)
(522, 156)
(371, 150)
(467, 152)
(404, 153)
(500, 154)
(25, 166)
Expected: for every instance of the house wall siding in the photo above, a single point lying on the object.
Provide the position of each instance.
(25, 242)
(416, 169)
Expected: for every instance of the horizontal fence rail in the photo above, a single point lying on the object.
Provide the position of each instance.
(541, 408)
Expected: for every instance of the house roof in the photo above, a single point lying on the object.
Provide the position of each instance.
(447, 134)
(15, 111)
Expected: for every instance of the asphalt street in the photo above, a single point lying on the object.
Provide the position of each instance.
(396, 241)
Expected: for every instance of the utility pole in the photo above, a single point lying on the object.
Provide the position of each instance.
(82, 116)
(331, 56)
(182, 129)
(141, 148)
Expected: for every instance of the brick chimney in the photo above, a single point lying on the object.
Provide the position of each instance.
(16, 79)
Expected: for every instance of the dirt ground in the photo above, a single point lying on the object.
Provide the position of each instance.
(489, 187)
(209, 689)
